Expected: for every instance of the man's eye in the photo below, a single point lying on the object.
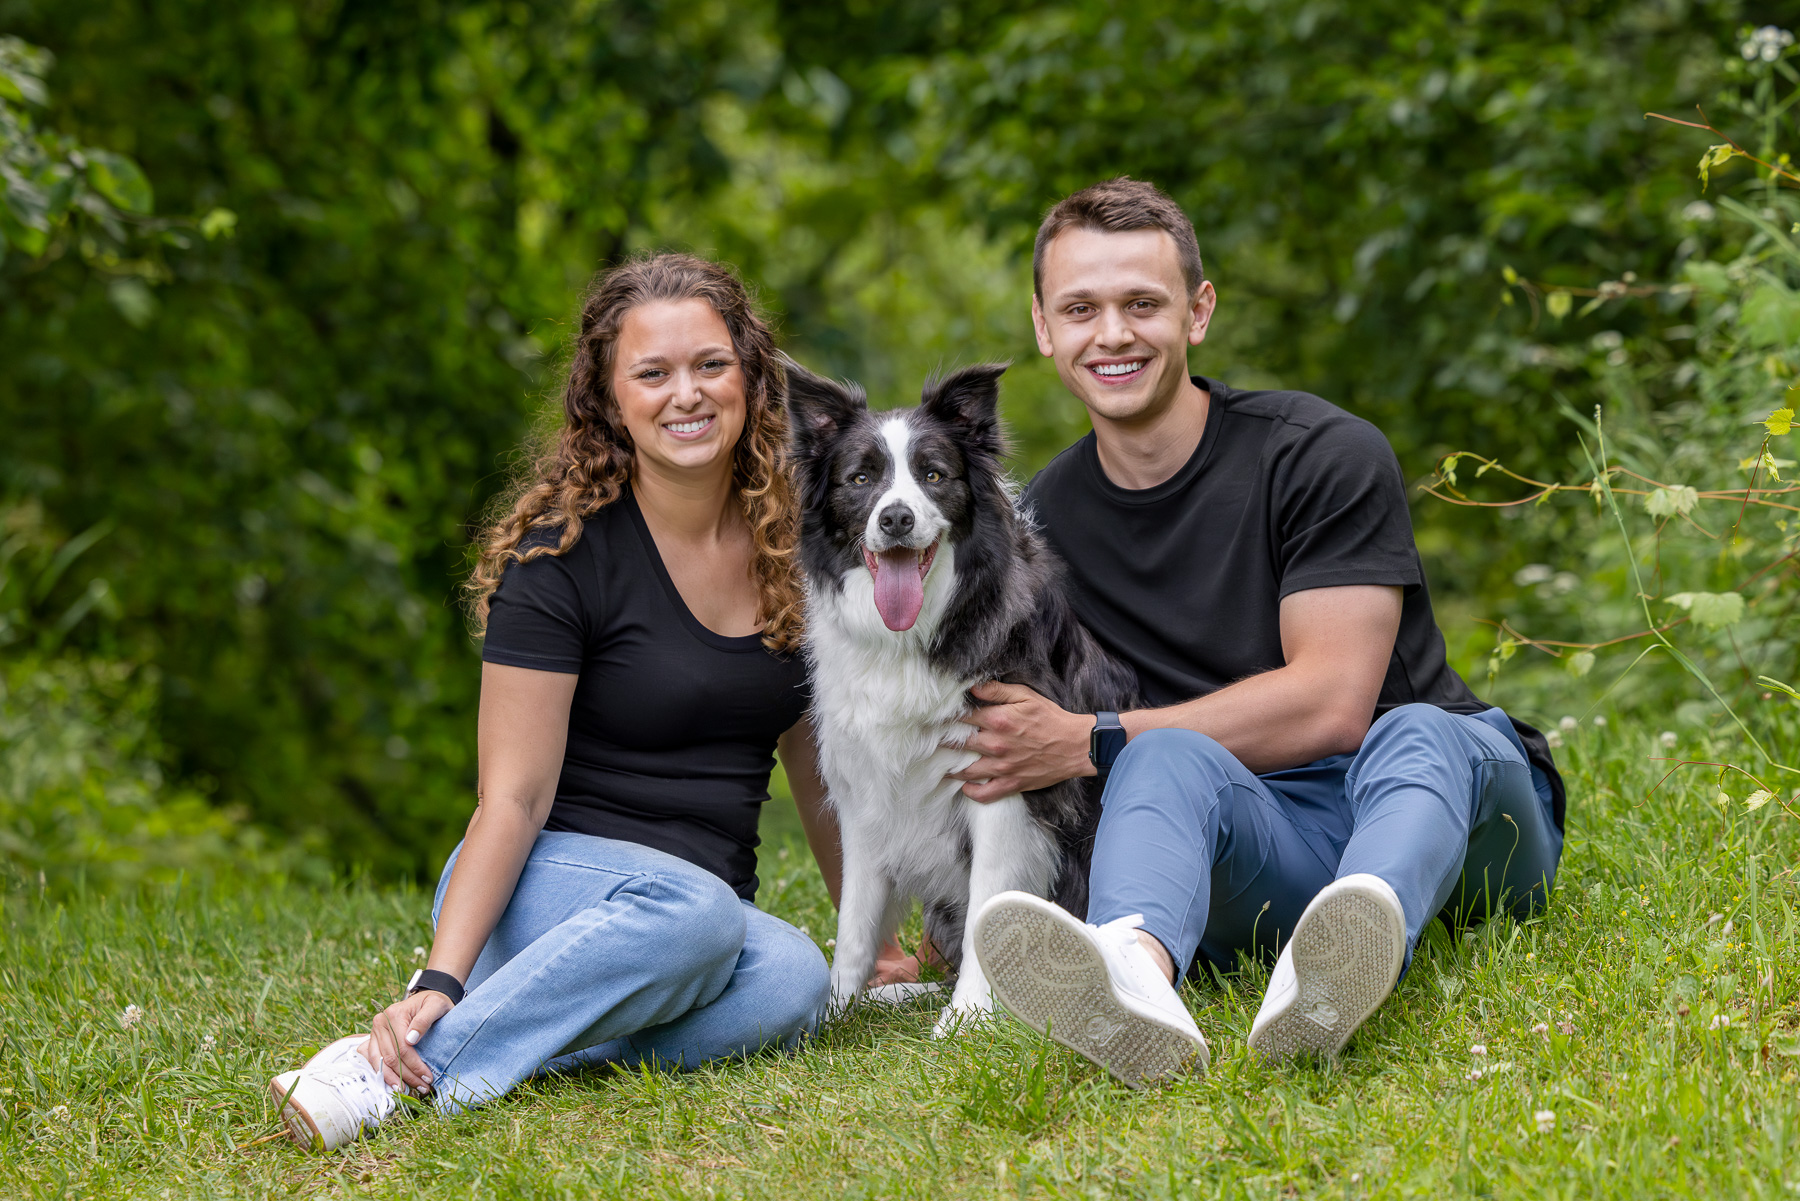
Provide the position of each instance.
(932, 477)
(860, 478)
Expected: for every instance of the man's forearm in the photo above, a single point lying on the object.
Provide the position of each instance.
(1275, 720)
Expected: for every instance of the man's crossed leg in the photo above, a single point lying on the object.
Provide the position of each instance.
(1339, 864)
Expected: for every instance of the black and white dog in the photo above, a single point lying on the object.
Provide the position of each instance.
(922, 580)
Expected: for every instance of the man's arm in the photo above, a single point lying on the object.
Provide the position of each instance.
(1337, 643)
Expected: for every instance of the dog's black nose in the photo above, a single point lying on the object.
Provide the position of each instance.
(896, 521)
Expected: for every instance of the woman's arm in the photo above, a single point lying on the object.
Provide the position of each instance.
(521, 734)
(800, 758)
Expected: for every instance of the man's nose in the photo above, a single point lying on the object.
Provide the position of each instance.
(1114, 329)
(896, 521)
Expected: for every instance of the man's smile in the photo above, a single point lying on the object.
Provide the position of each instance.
(1116, 371)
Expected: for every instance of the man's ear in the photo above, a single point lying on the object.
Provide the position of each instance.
(818, 407)
(969, 397)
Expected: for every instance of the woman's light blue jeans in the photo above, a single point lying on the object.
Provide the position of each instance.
(1220, 860)
(611, 952)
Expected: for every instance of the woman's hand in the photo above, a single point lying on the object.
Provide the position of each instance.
(396, 1030)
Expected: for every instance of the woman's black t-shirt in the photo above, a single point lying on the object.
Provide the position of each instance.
(673, 727)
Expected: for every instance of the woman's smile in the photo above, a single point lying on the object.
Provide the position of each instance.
(690, 429)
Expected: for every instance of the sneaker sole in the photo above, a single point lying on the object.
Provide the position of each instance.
(1042, 967)
(1346, 956)
(299, 1123)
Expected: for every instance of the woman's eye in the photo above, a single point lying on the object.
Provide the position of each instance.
(861, 477)
(932, 477)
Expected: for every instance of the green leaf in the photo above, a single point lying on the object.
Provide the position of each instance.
(1509, 275)
(1558, 303)
(1580, 663)
(119, 180)
(218, 223)
(1779, 422)
(134, 300)
(1711, 610)
(1758, 799)
(1674, 500)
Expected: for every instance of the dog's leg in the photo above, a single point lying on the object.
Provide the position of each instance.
(866, 916)
(1008, 850)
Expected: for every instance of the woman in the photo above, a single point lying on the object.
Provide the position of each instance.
(642, 617)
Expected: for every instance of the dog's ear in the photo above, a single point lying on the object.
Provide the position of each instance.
(818, 407)
(969, 398)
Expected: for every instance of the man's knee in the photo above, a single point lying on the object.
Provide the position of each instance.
(1182, 753)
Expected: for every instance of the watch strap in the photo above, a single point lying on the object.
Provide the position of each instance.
(426, 979)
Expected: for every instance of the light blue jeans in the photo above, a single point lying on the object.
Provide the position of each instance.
(1220, 860)
(611, 952)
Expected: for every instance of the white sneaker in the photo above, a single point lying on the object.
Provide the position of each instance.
(1094, 989)
(1341, 963)
(335, 1099)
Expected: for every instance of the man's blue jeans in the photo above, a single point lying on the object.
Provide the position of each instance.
(1220, 860)
(610, 952)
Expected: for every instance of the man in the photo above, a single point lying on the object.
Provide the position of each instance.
(1308, 773)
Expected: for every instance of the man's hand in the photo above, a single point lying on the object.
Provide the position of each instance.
(1025, 742)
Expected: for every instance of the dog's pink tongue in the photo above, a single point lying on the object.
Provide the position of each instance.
(899, 590)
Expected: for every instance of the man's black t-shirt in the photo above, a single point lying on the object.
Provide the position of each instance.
(673, 727)
(1286, 492)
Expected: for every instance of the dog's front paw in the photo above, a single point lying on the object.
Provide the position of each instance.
(843, 997)
(964, 1016)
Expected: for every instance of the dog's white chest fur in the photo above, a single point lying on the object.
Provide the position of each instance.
(884, 715)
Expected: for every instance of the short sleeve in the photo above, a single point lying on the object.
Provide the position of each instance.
(538, 617)
(1342, 510)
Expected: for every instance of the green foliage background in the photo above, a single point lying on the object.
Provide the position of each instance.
(275, 398)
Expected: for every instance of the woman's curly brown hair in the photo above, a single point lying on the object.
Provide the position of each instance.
(588, 462)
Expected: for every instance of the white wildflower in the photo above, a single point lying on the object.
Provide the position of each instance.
(1720, 1021)
(1542, 1028)
(1567, 724)
(1474, 1074)
(1599, 721)
(1478, 1049)
(1766, 43)
(1546, 1120)
(418, 952)
(1554, 739)
(1668, 738)
(60, 1113)
(1699, 210)
(131, 1017)
(208, 1045)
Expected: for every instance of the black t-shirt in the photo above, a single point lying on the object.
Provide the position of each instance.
(673, 727)
(1286, 492)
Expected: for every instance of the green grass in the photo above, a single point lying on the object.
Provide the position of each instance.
(1624, 969)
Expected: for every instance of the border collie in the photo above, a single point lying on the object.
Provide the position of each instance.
(922, 580)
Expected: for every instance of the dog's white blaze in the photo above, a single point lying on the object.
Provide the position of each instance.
(883, 714)
(928, 520)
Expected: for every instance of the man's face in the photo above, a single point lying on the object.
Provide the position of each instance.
(1117, 318)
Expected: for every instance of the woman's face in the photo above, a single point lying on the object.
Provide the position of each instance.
(680, 387)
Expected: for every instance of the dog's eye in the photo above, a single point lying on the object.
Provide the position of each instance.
(932, 477)
(861, 477)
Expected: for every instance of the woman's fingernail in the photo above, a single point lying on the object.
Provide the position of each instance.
(426, 1077)
(412, 1037)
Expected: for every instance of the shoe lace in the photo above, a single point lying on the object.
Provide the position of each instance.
(361, 1085)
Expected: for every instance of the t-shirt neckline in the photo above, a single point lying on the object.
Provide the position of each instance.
(1184, 476)
(711, 637)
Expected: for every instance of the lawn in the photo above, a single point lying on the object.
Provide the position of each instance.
(1639, 1039)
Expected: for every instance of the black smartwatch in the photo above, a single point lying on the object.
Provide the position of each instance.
(425, 980)
(1107, 740)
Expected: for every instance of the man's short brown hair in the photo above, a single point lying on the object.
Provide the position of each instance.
(1117, 206)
